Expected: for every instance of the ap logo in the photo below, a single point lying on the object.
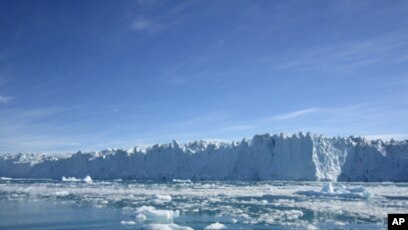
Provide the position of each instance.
(397, 221)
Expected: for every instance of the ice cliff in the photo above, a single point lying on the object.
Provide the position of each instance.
(264, 157)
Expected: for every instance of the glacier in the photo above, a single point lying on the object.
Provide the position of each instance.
(299, 157)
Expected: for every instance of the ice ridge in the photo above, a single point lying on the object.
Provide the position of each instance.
(264, 157)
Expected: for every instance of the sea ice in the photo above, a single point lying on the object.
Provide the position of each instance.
(151, 214)
(70, 179)
(234, 204)
(297, 157)
(165, 227)
(160, 199)
(215, 226)
(87, 179)
(124, 222)
(62, 193)
(181, 181)
(339, 191)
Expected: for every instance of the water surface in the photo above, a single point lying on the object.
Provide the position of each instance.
(117, 204)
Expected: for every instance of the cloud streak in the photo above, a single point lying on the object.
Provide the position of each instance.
(294, 114)
(35, 130)
(5, 100)
(145, 25)
(346, 57)
(149, 19)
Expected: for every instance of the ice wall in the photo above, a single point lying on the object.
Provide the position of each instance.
(264, 157)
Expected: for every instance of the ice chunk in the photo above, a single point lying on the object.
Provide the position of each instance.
(327, 188)
(88, 179)
(124, 222)
(339, 191)
(181, 181)
(279, 216)
(70, 179)
(293, 214)
(311, 227)
(62, 193)
(215, 226)
(165, 227)
(159, 199)
(140, 217)
(151, 214)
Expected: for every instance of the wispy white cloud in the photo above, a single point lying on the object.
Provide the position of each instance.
(357, 119)
(33, 130)
(294, 114)
(149, 19)
(346, 57)
(5, 100)
(143, 24)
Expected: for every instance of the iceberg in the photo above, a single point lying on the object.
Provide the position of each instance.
(124, 222)
(215, 226)
(165, 227)
(70, 179)
(151, 214)
(340, 191)
(300, 156)
(87, 179)
(160, 199)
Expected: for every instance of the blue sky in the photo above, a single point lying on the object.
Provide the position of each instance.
(95, 74)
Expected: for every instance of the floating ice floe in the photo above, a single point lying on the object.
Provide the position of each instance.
(228, 202)
(165, 227)
(157, 219)
(182, 181)
(130, 222)
(311, 227)
(160, 199)
(340, 191)
(279, 216)
(70, 179)
(153, 215)
(5, 178)
(87, 179)
(215, 226)
(62, 193)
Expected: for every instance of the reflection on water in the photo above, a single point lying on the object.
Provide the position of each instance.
(52, 214)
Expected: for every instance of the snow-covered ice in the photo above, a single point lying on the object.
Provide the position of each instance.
(339, 191)
(151, 214)
(264, 157)
(165, 227)
(159, 199)
(181, 181)
(215, 226)
(86, 179)
(70, 179)
(130, 222)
